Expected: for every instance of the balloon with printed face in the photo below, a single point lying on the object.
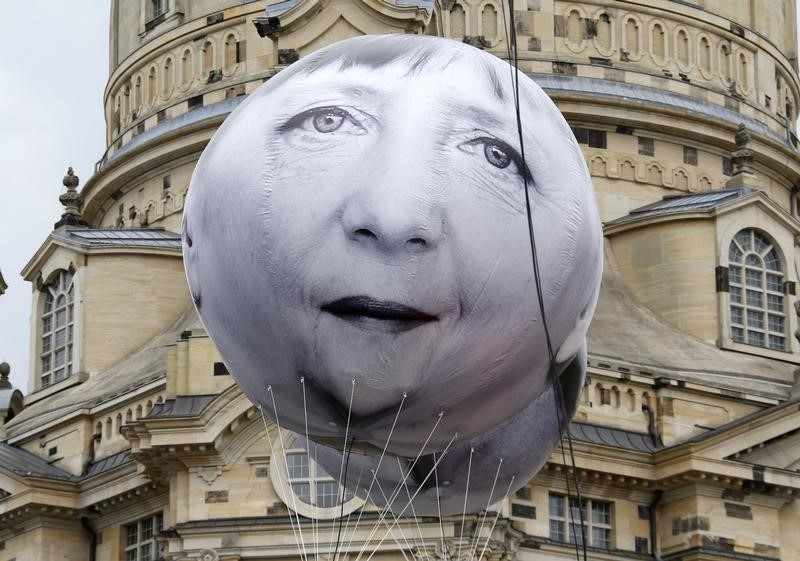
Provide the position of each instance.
(356, 242)
(467, 478)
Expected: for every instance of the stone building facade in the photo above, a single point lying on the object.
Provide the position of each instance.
(135, 443)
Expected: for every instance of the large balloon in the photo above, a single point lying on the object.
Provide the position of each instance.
(468, 478)
(359, 224)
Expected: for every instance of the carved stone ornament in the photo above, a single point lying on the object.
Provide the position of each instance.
(208, 474)
(72, 201)
(208, 555)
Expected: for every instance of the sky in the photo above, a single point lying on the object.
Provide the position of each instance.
(53, 71)
(51, 117)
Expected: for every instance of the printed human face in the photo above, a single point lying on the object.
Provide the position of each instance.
(388, 211)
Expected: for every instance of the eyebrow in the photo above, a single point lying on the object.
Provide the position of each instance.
(494, 79)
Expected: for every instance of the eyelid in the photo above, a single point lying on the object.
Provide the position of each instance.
(296, 121)
(522, 166)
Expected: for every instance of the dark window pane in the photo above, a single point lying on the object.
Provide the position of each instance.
(557, 506)
(327, 494)
(755, 338)
(597, 139)
(601, 537)
(557, 530)
(303, 491)
(690, 155)
(646, 146)
(735, 275)
(775, 302)
(755, 319)
(753, 278)
(755, 299)
(61, 318)
(775, 323)
(778, 343)
(743, 239)
(297, 465)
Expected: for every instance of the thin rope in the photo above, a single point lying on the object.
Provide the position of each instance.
(398, 488)
(444, 452)
(558, 391)
(421, 545)
(286, 465)
(314, 520)
(395, 520)
(464, 512)
(474, 548)
(280, 479)
(439, 506)
(375, 473)
(345, 458)
(496, 517)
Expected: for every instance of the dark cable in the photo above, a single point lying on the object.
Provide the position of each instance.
(344, 492)
(557, 389)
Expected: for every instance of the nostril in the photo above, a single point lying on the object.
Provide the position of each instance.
(417, 241)
(365, 233)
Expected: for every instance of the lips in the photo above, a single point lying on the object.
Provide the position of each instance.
(368, 312)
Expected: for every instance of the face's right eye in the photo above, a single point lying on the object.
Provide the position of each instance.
(324, 120)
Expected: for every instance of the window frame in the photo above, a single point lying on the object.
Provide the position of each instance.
(284, 483)
(569, 525)
(132, 550)
(744, 294)
(61, 285)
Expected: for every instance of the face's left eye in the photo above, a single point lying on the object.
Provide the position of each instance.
(324, 120)
(496, 156)
(497, 153)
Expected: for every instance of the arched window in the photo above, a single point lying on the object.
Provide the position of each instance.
(574, 34)
(725, 62)
(151, 86)
(137, 94)
(756, 291)
(657, 41)
(168, 79)
(208, 59)
(458, 23)
(705, 54)
(489, 22)
(604, 31)
(187, 73)
(57, 329)
(744, 72)
(310, 482)
(632, 36)
(682, 47)
(230, 52)
(305, 487)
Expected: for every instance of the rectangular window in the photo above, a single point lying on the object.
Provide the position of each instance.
(690, 155)
(727, 166)
(297, 465)
(591, 137)
(646, 146)
(140, 538)
(565, 526)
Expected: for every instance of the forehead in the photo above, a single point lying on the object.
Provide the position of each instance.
(410, 57)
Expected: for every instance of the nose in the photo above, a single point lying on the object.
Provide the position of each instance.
(396, 212)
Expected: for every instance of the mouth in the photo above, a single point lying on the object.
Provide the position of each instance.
(371, 313)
